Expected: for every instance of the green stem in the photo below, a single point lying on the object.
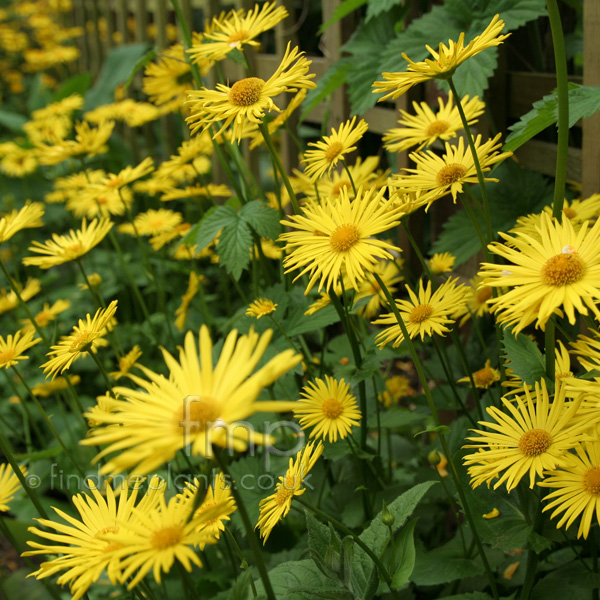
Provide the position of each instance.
(469, 209)
(480, 178)
(307, 357)
(98, 299)
(28, 420)
(532, 557)
(49, 422)
(442, 437)
(238, 551)
(349, 176)
(362, 391)
(562, 84)
(264, 129)
(102, 370)
(6, 450)
(250, 533)
(356, 539)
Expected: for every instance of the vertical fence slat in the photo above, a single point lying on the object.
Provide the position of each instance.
(591, 76)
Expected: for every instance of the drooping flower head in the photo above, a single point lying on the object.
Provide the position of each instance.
(13, 347)
(9, 485)
(29, 216)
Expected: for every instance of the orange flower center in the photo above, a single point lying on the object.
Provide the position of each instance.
(484, 295)
(420, 313)
(235, 39)
(283, 495)
(338, 187)
(7, 356)
(563, 269)
(569, 212)
(43, 318)
(591, 481)
(451, 174)
(344, 237)
(75, 248)
(334, 150)
(484, 377)
(81, 341)
(437, 128)
(535, 442)
(332, 408)
(198, 412)
(167, 537)
(246, 92)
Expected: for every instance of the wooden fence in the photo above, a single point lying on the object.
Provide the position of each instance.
(108, 22)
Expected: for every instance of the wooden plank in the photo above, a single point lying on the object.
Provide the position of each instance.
(591, 76)
(541, 157)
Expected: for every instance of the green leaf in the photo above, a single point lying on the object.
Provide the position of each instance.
(443, 429)
(401, 417)
(262, 218)
(333, 78)
(305, 323)
(241, 588)
(468, 596)
(377, 534)
(572, 581)
(405, 554)
(115, 70)
(142, 63)
(235, 243)
(526, 360)
(472, 76)
(78, 84)
(323, 542)
(341, 11)
(584, 101)
(376, 7)
(215, 219)
(302, 580)
(12, 120)
(513, 12)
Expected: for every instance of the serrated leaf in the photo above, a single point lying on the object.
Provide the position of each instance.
(443, 429)
(584, 101)
(235, 243)
(341, 11)
(215, 219)
(513, 12)
(142, 63)
(333, 78)
(115, 70)
(526, 360)
(262, 218)
(376, 7)
(472, 76)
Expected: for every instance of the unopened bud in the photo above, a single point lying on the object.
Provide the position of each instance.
(434, 458)
(387, 517)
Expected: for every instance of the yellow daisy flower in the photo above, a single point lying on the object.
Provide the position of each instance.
(27, 217)
(218, 495)
(425, 314)
(445, 61)
(562, 271)
(20, 162)
(329, 407)
(333, 148)
(47, 388)
(98, 200)
(12, 348)
(155, 221)
(340, 235)
(9, 300)
(476, 304)
(127, 362)
(484, 378)
(396, 387)
(86, 336)
(85, 553)
(236, 30)
(129, 174)
(260, 308)
(249, 98)
(46, 315)
(441, 263)
(9, 485)
(194, 284)
(196, 404)
(64, 248)
(576, 488)
(425, 127)
(321, 302)
(533, 435)
(435, 176)
(276, 506)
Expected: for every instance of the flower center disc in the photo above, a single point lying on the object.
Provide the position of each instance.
(484, 377)
(535, 442)
(451, 174)
(167, 537)
(332, 408)
(235, 39)
(419, 313)
(334, 150)
(591, 480)
(338, 187)
(7, 356)
(569, 213)
(197, 414)
(563, 269)
(484, 295)
(246, 92)
(437, 128)
(80, 342)
(344, 237)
